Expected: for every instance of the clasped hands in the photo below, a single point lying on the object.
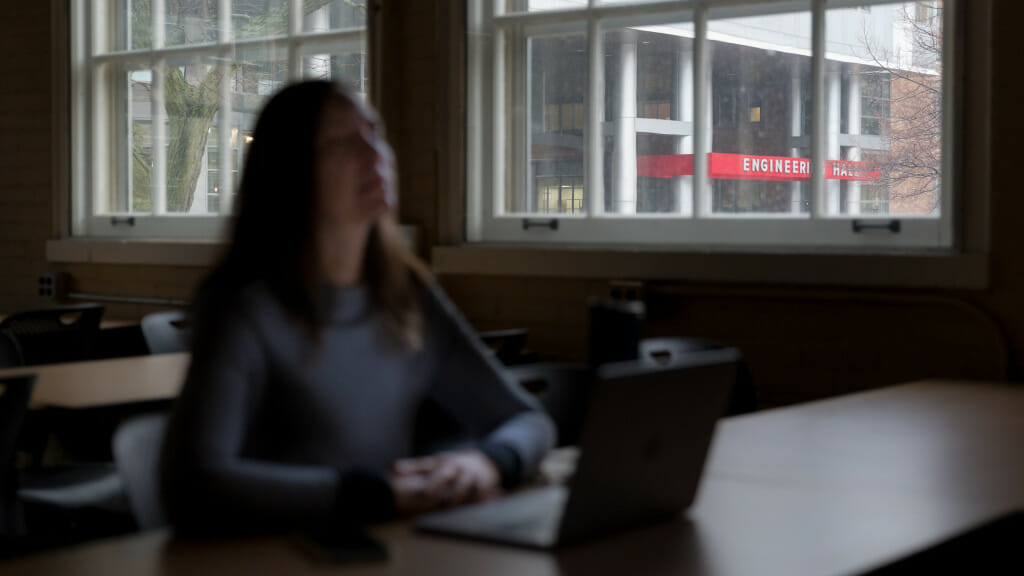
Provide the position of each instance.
(442, 480)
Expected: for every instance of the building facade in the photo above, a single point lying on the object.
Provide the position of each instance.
(883, 114)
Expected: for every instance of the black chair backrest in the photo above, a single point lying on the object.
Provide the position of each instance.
(59, 318)
(10, 351)
(562, 390)
(508, 345)
(744, 395)
(14, 395)
(137, 444)
(165, 332)
(666, 348)
(59, 334)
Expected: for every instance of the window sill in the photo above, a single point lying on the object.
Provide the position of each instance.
(112, 251)
(917, 270)
(159, 252)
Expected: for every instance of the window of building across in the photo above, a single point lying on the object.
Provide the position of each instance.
(166, 95)
(717, 122)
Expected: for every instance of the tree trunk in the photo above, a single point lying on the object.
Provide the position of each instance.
(190, 112)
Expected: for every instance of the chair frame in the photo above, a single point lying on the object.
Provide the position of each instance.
(16, 391)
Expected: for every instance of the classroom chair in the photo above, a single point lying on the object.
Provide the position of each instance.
(561, 389)
(744, 395)
(15, 392)
(166, 332)
(137, 444)
(59, 334)
(10, 352)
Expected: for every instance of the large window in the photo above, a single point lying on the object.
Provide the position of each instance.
(166, 95)
(802, 123)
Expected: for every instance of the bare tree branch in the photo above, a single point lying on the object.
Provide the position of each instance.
(912, 167)
(191, 92)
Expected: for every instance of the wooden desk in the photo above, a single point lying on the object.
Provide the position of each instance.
(833, 487)
(937, 438)
(104, 322)
(110, 382)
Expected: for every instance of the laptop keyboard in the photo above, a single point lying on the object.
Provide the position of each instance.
(530, 526)
(528, 515)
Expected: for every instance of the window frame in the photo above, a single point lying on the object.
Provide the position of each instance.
(487, 168)
(964, 267)
(89, 103)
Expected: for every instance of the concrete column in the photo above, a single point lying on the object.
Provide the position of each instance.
(796, 111)
(318, 66)
(703, 206)
(682, 186)
(624, 159)
(853, 123)
(833, 115)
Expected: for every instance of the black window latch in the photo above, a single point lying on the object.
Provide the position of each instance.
(552, 223)
(890, 225)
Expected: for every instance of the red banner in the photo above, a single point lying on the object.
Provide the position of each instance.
(746, 167)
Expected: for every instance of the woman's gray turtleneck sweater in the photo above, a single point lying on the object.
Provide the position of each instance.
(273, 430)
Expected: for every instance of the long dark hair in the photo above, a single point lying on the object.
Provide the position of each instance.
(274, 238)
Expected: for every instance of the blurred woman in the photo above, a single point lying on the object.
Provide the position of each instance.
(318, 339)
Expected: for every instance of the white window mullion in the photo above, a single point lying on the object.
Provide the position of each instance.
(294, 31)
(853, 120)
(157, 12)
(159, 130)
(81, 94)
(97, 173)
(833, 98)
(949, 75)
(702, 115)
(682, 187)
(796, 111)
(479, 48)
(623, 167)
(518, 175)
(158, 114)
(593, 146)
(522, 175)
(128, 137)
(818, 120)
(519, 154)
(225, 152)
(102, 127)
(498, 125)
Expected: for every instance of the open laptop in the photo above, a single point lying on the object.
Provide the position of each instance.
(642, 451)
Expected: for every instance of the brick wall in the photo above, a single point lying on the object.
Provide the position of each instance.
(26, 205)
(553, 309)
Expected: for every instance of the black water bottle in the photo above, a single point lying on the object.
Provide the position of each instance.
(616, 327)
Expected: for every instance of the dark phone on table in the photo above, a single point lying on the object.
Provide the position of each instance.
(342, 545)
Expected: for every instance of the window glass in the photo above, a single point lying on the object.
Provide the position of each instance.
(336, 15)
(139, 197)
(648, 119)
(708, 122)
(557, 72)
(889, 83)
(189, 21)
(258, 19)
(760, 76)
(168, 115)
(542, 5)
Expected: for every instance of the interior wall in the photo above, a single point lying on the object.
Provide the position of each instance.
(26, 148)
(804, 342)
(801, 342)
